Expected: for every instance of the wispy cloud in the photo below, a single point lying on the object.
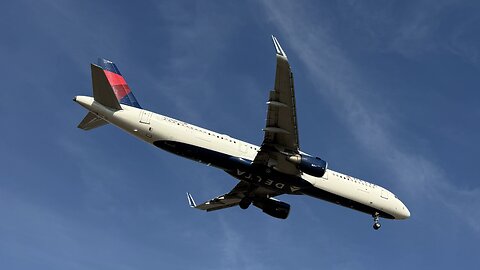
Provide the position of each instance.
(37, 236)
(414, 34)
(180, 77)
(337, 77)
(467, 31)
(235, 250)
(423, 27)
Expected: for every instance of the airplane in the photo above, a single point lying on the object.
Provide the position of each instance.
(264, 172)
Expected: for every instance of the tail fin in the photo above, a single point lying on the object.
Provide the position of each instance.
(109, 89)
(102, 89)
(122, 91)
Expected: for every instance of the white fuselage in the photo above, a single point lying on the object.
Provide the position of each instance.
(151, 127)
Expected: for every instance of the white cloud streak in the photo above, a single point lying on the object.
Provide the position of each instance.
(236, 253)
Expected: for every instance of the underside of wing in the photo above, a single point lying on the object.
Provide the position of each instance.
(281, 130)
(234, 197)
(281, 126)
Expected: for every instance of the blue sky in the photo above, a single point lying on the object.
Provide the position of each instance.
(387, 92)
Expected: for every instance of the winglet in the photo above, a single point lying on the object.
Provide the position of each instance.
(191, 202)
(278, 48)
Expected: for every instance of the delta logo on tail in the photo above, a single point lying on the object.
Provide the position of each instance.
(119, 85)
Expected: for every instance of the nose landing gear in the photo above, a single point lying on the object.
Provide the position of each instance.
(376, 224)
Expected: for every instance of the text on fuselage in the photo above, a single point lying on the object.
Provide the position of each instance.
(257, 179)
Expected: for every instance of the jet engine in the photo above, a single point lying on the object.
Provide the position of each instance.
(314, 166)
(274, 208)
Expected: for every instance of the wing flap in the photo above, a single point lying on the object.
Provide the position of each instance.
(233, 198)
(281, 111)
(219, 202)
(230, 199)
(281, 128)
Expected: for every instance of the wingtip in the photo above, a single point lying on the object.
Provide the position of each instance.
(191, 202)
(278, 47)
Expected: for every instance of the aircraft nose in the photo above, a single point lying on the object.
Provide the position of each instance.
(404, 212)
(407, 212)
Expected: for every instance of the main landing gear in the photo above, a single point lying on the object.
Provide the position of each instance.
(245, 203)
(376, 224)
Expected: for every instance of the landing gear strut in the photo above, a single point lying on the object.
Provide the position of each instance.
(245, 203)
(376, 224)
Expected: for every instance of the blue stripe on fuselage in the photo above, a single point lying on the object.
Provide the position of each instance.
(245, 170)
(237, 167)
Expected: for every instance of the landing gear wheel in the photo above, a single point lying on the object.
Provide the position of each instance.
(376, 224)
(245, 203)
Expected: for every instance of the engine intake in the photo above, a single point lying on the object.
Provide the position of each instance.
(273, 208)
(314, 166)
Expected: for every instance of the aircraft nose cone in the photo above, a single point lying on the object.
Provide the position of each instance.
(407, 212)
(404, 212)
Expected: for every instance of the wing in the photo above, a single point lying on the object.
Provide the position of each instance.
(233, 198)
(281, 132)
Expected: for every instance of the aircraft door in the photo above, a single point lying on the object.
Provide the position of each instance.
(384, 194)
(145, 117)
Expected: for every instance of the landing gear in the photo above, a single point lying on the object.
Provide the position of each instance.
(376, 224)
(245, 203)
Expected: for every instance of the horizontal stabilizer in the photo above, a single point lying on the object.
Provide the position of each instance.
(91, 121)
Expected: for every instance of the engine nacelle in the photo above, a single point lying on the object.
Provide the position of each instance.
(273, 208)
(314, 166)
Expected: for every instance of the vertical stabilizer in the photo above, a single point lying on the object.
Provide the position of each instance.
(122, 91)
(103, 92)
(109, 89)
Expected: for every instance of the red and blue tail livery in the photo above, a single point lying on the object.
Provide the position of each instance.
(120, 87)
